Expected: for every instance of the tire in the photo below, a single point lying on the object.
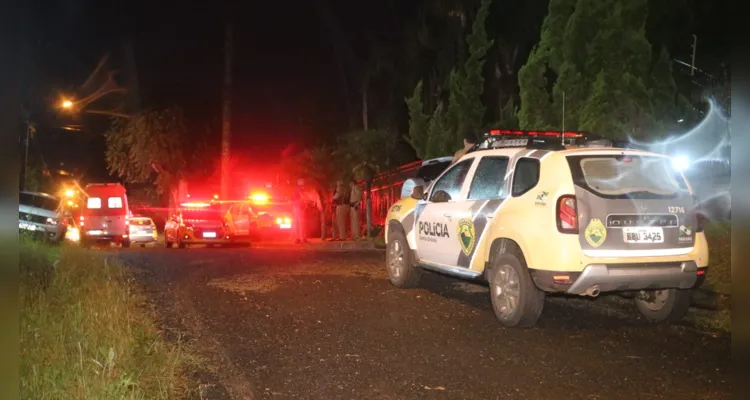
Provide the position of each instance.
(398, 260)
(125, 244)
(524, 302)
(167, 243)
(180, 244)
(667, 305)
(143, 245)
(85, 243)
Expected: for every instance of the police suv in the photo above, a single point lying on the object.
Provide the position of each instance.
(542, 212)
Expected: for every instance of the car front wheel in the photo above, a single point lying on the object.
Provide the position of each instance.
(401, 270)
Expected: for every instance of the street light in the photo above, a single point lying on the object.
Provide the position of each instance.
(67, 104)
(70, 193)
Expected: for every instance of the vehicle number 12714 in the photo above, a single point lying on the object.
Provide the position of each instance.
(676, 210)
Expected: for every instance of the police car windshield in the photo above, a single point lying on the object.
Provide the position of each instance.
(271, 208)
(627, 176)
(431, 171)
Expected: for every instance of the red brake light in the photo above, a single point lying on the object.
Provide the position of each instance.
(567, 214)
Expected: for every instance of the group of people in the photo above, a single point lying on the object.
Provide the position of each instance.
(345, 210)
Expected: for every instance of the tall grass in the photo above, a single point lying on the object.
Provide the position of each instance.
(86, 334)
(719, 237)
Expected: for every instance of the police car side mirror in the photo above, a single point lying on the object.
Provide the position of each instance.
(418, 192)
(441, 196)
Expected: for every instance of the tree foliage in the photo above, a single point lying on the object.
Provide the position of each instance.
(601, 62)
(149, 147)
(441, 132)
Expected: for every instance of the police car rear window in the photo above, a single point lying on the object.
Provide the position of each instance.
(626, 176)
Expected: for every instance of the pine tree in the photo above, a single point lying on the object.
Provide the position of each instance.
(418, 137)
(441, 133)
(598, 51)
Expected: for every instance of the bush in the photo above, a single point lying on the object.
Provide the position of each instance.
(84, 333)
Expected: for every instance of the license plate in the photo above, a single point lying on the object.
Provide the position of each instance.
(285, 226)
(96, 232)
(643, 235)
(209, 234)
(26, 226)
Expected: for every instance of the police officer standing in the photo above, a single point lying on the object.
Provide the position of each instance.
(341, 199)
(298, 212)
(355, 199)
(469, 142)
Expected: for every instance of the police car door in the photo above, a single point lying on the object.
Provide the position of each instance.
(436, 217)
(487, 192)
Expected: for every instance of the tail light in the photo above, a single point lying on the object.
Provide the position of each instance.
(567, 214)
(81, 220)
(287, 221)
(279, 221)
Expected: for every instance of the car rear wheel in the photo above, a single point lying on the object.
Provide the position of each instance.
(125, 244)
(666, 305)
(401, 269)
(516, 300)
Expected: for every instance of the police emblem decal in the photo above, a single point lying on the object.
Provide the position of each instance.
(596, 232)
(466, 235)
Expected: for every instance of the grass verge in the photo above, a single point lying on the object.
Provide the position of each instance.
(719, 237)
(85, 333)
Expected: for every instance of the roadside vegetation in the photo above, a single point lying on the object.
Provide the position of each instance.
(85, 333)
(718, 280)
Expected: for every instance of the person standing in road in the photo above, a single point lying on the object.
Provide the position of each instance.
(341, 199)
(469, 142)
(298, 212)
(355, 200)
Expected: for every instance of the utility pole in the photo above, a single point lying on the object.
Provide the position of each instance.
(692, 62)
(563, 120)
(227, 113)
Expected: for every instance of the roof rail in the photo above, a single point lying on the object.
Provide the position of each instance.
(539, 140)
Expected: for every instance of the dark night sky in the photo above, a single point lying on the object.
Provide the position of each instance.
(285, 82)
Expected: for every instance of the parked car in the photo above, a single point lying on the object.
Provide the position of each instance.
(105, 217)
(38, 214)
(532, 216)
(197, 223)
(143, 231)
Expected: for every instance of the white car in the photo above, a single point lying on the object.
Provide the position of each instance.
(142, 231)
(38, 214)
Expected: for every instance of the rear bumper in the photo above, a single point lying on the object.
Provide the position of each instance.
(145, 238)
(52, 233)
(622, 277)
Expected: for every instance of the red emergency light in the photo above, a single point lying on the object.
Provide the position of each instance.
(498, 132)
(259, 198)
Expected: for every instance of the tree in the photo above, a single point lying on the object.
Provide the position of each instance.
(599, 59)
(149, 147)
(442, 132)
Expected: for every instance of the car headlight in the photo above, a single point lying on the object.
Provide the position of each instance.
(52, 221)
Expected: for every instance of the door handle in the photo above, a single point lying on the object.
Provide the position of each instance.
(489, 216)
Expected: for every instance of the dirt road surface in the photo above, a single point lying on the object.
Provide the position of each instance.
(281, 324)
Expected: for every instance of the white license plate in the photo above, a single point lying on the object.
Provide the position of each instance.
(285, 226)
(209, 234)
(28, 227)
(643, 235)
(96, 232)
